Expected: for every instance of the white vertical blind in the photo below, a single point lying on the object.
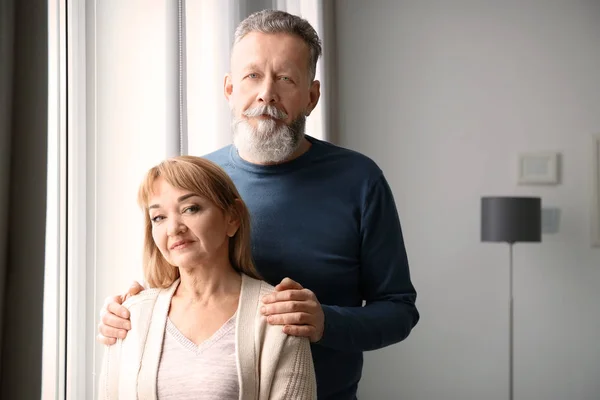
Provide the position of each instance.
(134, 90)
(210, 25)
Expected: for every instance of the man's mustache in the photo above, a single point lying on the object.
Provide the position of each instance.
(264, 109)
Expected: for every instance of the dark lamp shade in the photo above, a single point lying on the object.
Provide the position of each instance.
(511, 219)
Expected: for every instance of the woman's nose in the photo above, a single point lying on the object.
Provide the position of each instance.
(176, 227)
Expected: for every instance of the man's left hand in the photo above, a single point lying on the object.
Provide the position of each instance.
(296, 308)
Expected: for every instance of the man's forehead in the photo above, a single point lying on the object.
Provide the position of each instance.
(254, 41)
(253, 51)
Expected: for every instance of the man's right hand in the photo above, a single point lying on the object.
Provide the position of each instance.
(114, 318)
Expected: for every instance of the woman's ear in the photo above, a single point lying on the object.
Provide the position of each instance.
(233, 223)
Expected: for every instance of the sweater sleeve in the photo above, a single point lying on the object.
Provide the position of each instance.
(108, 383)
(295, 374)
(389, 313)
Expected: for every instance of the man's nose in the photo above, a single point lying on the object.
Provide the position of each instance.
(268, 92)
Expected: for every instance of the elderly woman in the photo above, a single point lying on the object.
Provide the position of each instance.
(198, 333)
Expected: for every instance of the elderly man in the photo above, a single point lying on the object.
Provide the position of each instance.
(324, 222)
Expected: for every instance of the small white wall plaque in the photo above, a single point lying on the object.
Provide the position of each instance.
(538, 168)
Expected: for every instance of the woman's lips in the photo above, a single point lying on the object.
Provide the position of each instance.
(179, 245)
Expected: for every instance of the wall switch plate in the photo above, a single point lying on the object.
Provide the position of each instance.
(550, 220)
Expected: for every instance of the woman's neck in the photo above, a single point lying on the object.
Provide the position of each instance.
(203, 283)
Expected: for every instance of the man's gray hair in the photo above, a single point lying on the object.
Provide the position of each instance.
(275, 21)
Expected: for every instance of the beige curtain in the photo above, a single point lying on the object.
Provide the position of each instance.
(23, 103)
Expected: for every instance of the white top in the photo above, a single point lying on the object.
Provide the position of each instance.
(206, 371)
(270, 364)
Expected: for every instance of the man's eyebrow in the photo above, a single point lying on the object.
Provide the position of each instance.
(285, 66)
(250, 66)
(179, 200)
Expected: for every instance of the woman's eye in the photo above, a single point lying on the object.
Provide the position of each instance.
(191, 209)
(156, 219)
(253, 75)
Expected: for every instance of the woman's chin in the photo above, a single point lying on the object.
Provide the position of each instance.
(187, 264)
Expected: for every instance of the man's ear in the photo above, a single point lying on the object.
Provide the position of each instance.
(227, 86)
(314, 95)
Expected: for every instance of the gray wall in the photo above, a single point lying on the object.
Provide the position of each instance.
(444, 95)
(21, 353)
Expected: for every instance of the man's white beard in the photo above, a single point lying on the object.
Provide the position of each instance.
(269, 142)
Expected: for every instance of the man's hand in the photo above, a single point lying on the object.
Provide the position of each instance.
(114, 318)
(296, 308)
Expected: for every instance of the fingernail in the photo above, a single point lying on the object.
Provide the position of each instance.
(122, 334)
(128, 326)
(263, 309)
(124, 314)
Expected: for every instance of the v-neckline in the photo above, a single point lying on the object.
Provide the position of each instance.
(207, 343)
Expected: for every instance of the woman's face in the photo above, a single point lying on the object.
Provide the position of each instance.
(189, 230)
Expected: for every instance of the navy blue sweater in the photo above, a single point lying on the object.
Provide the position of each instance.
(328, 220)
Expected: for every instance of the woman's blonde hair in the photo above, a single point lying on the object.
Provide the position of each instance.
(206, 179)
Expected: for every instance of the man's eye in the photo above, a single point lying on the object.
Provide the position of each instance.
(285, 78)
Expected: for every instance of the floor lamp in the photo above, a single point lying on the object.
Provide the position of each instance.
(511, 220)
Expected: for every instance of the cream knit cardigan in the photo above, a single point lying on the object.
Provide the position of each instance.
(271, 365)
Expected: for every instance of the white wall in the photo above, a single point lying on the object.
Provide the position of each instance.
(444, 95)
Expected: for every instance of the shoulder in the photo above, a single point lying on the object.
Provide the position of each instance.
(147, 297)
(346, 162)
(260, 288)
(344, 154)
(220, 156)
(256, 285)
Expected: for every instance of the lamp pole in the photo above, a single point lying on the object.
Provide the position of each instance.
(506, 219)
(510, 326)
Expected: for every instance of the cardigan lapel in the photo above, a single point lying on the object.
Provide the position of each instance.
(148, 374)
(246, 346)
